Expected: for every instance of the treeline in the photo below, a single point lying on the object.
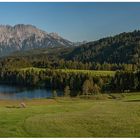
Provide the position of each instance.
(125, 81)
(77, 83)
(55, 80)
(44, 62)
(61, 64)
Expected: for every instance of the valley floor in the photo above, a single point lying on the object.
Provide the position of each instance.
(71, 117)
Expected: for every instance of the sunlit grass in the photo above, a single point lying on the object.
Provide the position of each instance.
(72, 117)
(90, 72)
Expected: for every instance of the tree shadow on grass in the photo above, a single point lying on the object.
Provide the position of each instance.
(132, 101)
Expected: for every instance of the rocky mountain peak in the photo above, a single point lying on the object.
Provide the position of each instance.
(21, 37)
(54, 35)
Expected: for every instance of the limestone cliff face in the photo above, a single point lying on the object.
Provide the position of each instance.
(25, 37)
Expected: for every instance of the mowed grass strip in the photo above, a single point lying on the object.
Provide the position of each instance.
(90, 72)
(71, 117)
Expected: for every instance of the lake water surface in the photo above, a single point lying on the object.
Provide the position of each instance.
(15, 93)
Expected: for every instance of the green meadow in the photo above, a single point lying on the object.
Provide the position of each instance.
(97, 116)
(90, 72)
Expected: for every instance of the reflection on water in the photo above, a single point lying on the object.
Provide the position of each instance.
(10, 92)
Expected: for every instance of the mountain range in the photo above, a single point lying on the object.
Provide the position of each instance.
(27, 40)
(25, 37)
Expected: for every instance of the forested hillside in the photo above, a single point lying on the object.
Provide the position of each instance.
(122, 48)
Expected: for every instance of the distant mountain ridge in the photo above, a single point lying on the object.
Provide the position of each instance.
(25, 37)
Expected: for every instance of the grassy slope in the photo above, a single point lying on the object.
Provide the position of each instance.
(91, 72)
(71, 118)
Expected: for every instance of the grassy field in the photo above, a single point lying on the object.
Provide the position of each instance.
(72, 117)
(90, 72)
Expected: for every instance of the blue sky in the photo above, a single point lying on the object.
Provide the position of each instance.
(74, 21)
